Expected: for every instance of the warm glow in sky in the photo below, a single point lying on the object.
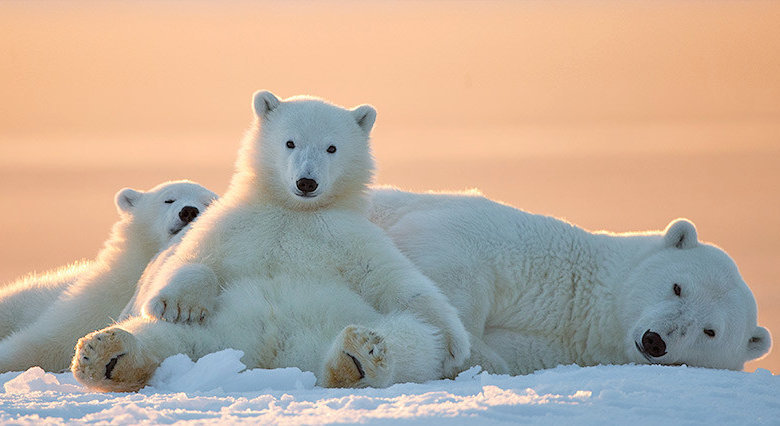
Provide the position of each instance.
(613, 115)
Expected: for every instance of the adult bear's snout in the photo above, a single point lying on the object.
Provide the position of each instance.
(653, 344)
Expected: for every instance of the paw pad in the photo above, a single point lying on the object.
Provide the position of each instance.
(362, 360)
(111, 365)
(111, 361)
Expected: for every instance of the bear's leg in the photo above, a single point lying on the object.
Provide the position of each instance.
(487, 358)
(524, 353)
(123, 357)
(399, 348)
(21, 306)
(48, 342)
(189, 295)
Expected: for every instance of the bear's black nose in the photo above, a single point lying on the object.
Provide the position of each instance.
(306, 184)
(653, 344)
(188, 214)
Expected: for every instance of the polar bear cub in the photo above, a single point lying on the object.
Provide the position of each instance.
(536, 292)
(94, 295)
(288, 268)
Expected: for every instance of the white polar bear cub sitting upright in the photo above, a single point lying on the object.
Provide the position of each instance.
(95, 295)
(288, 268)
(536, 292)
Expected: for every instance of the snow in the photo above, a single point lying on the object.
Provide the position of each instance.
(218, 389)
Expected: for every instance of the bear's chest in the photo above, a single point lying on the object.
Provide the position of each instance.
(303, 248)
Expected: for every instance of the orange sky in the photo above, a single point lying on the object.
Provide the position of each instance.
(614, 115)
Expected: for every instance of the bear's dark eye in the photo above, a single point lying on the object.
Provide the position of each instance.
(169, 201)
(677, 290)
(331, 149)
(709, 332)
(290, 144)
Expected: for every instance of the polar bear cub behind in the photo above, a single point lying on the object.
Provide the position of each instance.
(95, 293)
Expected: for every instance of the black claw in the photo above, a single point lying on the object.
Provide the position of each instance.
(111, 364)
(358, 365)
(91, 347)
(85, 358)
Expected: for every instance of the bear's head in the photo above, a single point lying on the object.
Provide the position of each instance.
(163, 211)
(311, 153)
(686, 303)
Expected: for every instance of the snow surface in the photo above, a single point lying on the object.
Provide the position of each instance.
(218, 389)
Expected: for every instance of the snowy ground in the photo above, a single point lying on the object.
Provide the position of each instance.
(217, 389)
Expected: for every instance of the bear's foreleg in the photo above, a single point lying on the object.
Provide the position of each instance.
(189, 296)
(526, 353)
(486, 357)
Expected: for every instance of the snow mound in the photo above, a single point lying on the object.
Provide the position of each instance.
(218, 388)
(224, 371)
(37, 380)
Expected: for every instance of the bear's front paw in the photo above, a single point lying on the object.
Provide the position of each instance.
(358, 359)
(111, 360)
(183, 310)
(188, 297)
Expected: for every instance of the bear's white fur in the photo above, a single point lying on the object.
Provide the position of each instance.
(536, 292)
(94, 294)
(22, 301)
(288, 268)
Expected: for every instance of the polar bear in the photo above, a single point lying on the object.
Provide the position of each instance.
(287, 267)
(535, 292)
(94, 295)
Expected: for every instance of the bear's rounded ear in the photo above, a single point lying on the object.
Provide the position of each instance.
(126, 199)
(365, 116)
(681, 233)
(759, 343)
(264, 102)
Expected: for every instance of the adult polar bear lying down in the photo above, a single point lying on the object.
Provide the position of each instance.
(536, 292)
(59, 308)
(290, 270)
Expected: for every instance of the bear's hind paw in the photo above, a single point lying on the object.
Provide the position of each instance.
(109, 360)
(359, 359)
